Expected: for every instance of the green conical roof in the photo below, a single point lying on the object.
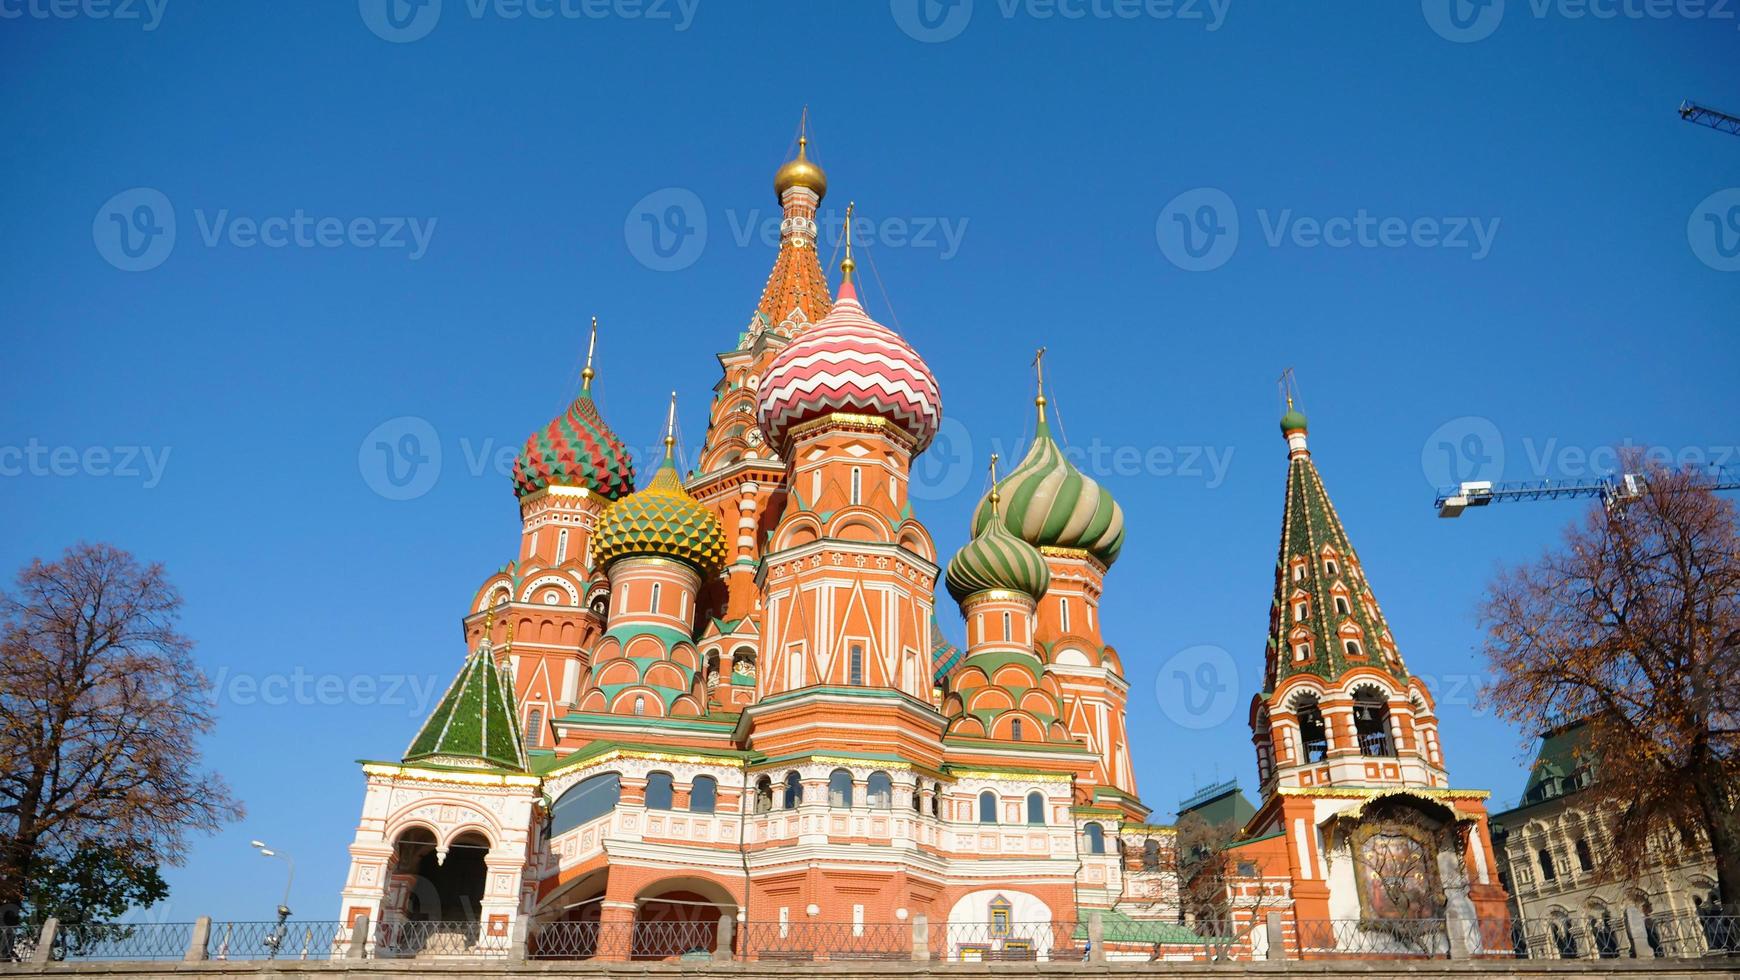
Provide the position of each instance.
(1314, 541)
(475, 724)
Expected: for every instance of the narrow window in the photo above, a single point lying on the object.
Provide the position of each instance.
(639, 705)
(1299, 573)
(682, 605)
(534, 724)
(936, 799)
(1547, 872)
(1298, 612)
(1585, 859)
(1352, 647)
(857, 485)
(857, 666)
(987, 807)
(1341, 606)
(1035, 807)
(561, 546)
(815, 485)
(658, 791)
(840, 788)
(1096, 836)
(1302, 652)
(656, 593)
(1090, 612)
(1063, 606)
(763, 795)
(1329, 566)
(1015, 729)
(1008, 627)
(794, 790)
(703, 794)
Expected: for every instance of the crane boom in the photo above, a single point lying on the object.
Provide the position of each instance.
(1451, 502)
(1716, 119)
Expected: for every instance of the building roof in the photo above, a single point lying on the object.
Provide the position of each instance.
(997, 559)
(475, 724)
(576, 449)
(1562, 766)
(661, 521)
(1049, 503)
(1222, 803)
(1313, 537)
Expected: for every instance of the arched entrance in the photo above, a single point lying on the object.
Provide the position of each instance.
(679, 917)
(442, 897)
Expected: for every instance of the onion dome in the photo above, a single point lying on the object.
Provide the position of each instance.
(1048, 503)
(577, 449)
(661, 521)
(848, 362)
(1293, 421)
(800, 171)
(997, 559)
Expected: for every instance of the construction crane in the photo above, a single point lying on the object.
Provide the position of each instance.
(1716, 119)
(1613, 491)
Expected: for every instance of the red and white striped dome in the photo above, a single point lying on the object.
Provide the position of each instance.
(848, 362)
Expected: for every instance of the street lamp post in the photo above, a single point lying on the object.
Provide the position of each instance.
(276, 939)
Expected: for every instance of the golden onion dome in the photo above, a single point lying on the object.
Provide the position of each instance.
(800, 172)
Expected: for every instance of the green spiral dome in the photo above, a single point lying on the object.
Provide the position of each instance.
(997, 559)
(1048, 503)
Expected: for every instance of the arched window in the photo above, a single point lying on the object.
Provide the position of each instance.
(987, 807)
(1096, 838)
(857, 678)
(561, 546)
(857, 485)
(1150, 855)
(585, 801)
(703, 794)
(1015, 729)
(1008, 627)
(763, 795)
(658, 791)
(1548, 872)
(1352, 648)
(534, 726)
(1341, 606)
(840, 788)
(1312, 734)
(936, 799)
(1329, 566)
(880, 791)
(918, 797)
(1035, 807)
(1585, 859)
(656, 592)
(1371, 721)
(1063, 613)
(794, 790)
(639, 705)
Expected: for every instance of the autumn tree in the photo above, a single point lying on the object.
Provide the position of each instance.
(1219, 886)
(101, 711)
(1633, 623)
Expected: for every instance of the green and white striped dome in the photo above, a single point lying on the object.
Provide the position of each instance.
(997, 559)
(1048, 503)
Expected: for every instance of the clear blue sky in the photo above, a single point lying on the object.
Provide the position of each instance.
(1055, 148)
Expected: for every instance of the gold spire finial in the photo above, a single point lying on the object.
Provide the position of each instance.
(995, 496)
(803, 132)
(671, 428)
(846, 264)
(1289, 386)
(587, 375)
(1039, 373)
(800, 171)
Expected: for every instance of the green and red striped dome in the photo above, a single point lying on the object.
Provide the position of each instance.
(575, 450)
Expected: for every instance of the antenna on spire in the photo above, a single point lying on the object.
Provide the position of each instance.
(846, 264)
(995, 497)
(1039, 374)
(671, 427)
(587, 374)
(1289, 387)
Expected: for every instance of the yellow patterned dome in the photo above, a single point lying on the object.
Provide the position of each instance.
(661, 521)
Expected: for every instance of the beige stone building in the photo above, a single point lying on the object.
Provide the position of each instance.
(1551, 856)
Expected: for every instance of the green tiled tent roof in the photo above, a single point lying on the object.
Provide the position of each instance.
(1309, 524)
(475, 722)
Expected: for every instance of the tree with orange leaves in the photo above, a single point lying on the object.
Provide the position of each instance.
(1633, 623)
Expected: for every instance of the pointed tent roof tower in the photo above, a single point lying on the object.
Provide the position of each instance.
(475, 725)
(797, 281)
(1319, 571)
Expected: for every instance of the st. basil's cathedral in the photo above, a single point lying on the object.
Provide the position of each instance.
(726, 695)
